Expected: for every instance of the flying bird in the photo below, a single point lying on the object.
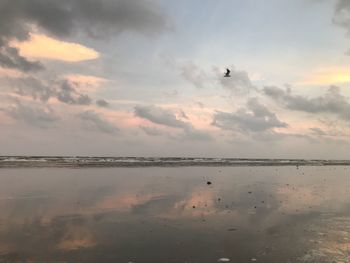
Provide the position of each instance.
(227, 74)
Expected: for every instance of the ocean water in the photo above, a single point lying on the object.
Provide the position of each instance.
(175, 214)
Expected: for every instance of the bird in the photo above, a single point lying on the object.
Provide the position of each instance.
(227, 74)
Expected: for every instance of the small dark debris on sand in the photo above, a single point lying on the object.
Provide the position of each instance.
(249, 192)
(208, 183)
(232, 229)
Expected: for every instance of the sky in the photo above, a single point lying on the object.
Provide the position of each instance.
(146, 78)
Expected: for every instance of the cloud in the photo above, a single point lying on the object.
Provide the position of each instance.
(152, 131)
(95, 121)
(192, 134)
(41, 117)
(160, 116)
(341, 18)
(41, 46)
(30, 86)
(65, 18)
(239, 83)
(342, 14)
(63, 90)
(194, 75)
(167, 118)
(10, 73)
(85, 79)
(317, 131)
(332, 102)
(86, 83)
(10, 58)
(256, 118)
(67, 93)
(102, 103)
(327, 76)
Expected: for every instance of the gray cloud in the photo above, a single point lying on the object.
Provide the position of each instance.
(102, 103)
(67, 17)
(152, 131)
(10, 58)
(239, 83)
(317, 131)
(64, 90)
(168, 118)
(182, 114)
(342, 14)
(95, 121)
(160, 116)
(199, 104)
(332, 102)
(41, 117)
(32, 87)
(67, 93)
(194, 75)
(342, 17)
(256, 118)
(195, 135)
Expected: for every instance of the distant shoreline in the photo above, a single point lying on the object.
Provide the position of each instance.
(100, 162)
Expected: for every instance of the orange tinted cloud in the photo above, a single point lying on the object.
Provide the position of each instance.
(41, 46)
(327, 76)
(85, 79)
(11, 73)
(87, 83)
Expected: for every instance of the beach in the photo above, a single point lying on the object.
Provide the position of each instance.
(175, 214)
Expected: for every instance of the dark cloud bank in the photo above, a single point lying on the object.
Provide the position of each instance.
(64, 18)
(63, 90)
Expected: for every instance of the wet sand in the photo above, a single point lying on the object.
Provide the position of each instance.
(158, 214)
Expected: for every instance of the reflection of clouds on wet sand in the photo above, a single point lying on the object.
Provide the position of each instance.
(126, 202)
(202, 202)
(327, 191)
(76, 238)
(329, 240)
(244, 212)
(199, 202)
(297, 199)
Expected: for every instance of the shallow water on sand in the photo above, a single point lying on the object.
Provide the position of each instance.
(246, 214)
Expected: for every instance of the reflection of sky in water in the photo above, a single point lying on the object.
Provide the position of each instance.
(273, 214)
